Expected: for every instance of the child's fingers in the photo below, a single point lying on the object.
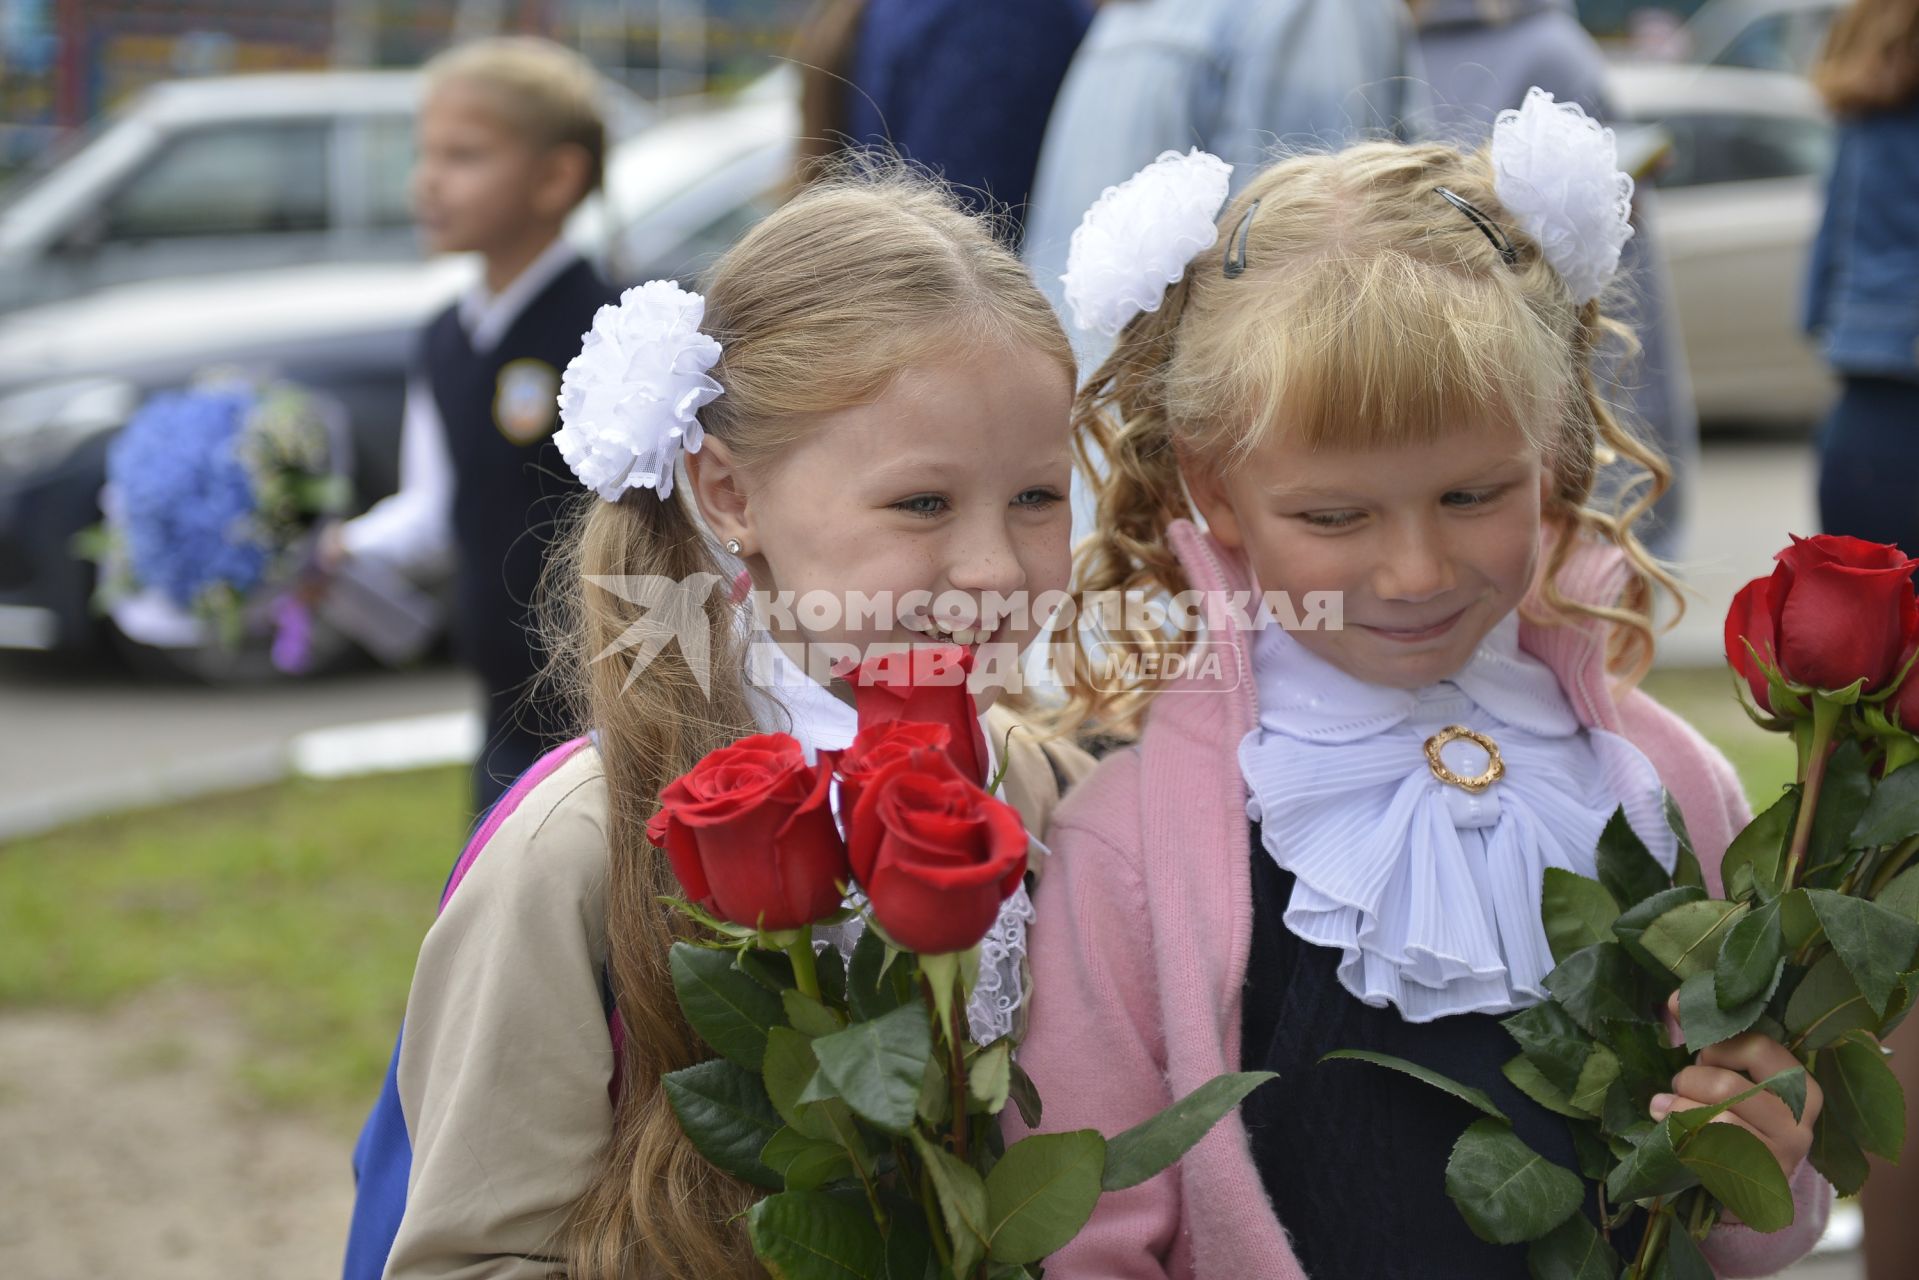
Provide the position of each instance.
(1760, 1058)
(1708, 1085)
(1664, 1104)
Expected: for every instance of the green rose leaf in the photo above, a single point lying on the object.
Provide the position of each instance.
(876, 1066)
(1577, 912)
(1152, 1145)
(909, 1244)
(1863, 1096)
(1827, 1004)
(1902, 895)
(1631, 926)
(729, 1010)
(872, 987)
(810, 1235)
(1687, 938)
(805, 1163)
(1626, 868)
(1041, 1193)
(1702, 1018)
(1843, 798)
(1836, 1156)
(1798, 923)
(1876, 944)
(1686, 871)
(962, 1197)
(1573, 1250)
(794, 1085)
(1761, 847)
(1597, 1076)
(1681, 1259)
(1742, 1173)
(1025, 1096)
(1551, 1041)
(726, 1115)
(1598, 984)
(1649, 1168)
(989, 1078)
(1465, 1093)
(1506, 1191)
(807, 1015)
(1529, 1080)
(1893, 812)
(1749, 960)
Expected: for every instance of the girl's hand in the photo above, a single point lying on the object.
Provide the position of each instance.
(1732, 1067)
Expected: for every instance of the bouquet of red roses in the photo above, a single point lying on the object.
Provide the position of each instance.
(1814, 945)
(851, 1087)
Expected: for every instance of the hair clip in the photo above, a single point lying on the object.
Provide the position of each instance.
(1507, 254)
(1235, 262)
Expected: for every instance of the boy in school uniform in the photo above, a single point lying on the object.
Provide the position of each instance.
(510, 140)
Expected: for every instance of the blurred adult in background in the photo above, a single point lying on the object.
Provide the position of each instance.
(962, 87)
(1862, 299)
(1238, 78)
(1862, 304)
(1480, 57)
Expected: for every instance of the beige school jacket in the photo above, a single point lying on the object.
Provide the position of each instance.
(505, 1055)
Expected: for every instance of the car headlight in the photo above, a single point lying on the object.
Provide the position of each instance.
(43, 424)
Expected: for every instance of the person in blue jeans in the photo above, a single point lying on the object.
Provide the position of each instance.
(1862, 302)
(961, 87)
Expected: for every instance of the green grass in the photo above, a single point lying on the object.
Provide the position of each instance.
(301, 905)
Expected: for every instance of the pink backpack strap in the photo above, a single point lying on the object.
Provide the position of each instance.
(503, 809)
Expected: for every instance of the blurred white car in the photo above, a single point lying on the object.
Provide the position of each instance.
(228, 173)
(1762, 35)
(71, 372)
(1739, 202)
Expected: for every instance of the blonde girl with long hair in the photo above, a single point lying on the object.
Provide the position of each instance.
(1356, 438)
(880, 403)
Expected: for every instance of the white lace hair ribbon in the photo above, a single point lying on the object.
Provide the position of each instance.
(1140, 235)
(1556, 170)
(630, 400)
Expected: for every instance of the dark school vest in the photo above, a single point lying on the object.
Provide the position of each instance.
(1353, 1156)
(511, 488)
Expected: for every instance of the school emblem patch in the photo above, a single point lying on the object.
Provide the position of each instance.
(525, 400)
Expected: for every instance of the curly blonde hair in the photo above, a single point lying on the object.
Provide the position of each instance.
(1371, 314)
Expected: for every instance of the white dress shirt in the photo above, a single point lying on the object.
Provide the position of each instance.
(1432, 893)
(412, 528)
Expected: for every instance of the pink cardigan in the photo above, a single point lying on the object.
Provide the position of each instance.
(1145, 922)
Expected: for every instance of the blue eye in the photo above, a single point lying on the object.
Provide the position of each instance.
(1037, 499)
(1332, 519)
(924, 505)
(1465, 499)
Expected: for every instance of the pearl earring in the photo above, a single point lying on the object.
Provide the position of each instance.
(732, 546)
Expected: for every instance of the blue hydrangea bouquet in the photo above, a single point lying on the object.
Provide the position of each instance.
(213, 497)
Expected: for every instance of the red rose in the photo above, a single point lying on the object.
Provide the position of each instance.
(935, 854)
(1838, 609)
(926, 683)
(1750, 621)
(751, 836)
(879, 746)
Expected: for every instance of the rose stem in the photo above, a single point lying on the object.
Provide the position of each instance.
(1894, 865)
(1648, 1243)
(1825, 720)
(806, 974)
(956, 1069)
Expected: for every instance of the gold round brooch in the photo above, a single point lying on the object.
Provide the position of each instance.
(1495, 768)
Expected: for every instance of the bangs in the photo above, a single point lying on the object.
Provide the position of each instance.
(1373, 352)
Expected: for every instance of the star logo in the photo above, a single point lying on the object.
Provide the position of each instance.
(674, 609)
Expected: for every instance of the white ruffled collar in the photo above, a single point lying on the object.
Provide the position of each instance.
(1431, 894)
(793, 703)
